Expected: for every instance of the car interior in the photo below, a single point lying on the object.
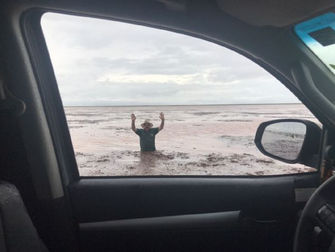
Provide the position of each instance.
(45, 205)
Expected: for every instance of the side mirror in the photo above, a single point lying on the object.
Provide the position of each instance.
(290, 140)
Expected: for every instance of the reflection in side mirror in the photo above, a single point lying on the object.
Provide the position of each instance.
(284, 139)
(290, 141)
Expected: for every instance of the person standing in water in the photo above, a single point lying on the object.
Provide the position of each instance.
(147, 133)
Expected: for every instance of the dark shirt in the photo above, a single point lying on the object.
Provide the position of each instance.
(147, 138)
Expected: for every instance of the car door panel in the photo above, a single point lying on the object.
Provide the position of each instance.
(168, 233)
(227, 220)
(116, 213)
(127, 198)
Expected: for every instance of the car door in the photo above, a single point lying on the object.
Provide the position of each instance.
(166, 213)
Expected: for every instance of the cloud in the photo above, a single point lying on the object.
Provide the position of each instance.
(99, 62)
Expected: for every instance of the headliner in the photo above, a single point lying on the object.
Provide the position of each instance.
(262, 12)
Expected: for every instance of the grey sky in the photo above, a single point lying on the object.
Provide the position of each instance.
(99, 62)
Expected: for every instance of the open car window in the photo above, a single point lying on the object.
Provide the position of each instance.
(212, 100)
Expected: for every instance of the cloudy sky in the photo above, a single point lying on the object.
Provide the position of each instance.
(100, 62)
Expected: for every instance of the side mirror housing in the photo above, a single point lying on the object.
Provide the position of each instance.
(290, 140)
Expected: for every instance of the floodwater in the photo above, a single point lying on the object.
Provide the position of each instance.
(196, 140)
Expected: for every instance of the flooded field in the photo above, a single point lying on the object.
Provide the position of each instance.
(196, 140)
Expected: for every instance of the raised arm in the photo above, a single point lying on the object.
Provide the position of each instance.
(133, 118)
(161, 116)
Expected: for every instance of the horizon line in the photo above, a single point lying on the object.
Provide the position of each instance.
(170, 105)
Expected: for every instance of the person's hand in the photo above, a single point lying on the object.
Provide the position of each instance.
(161, 116)
(133, 117)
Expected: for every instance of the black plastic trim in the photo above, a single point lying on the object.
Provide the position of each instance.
(222, 220)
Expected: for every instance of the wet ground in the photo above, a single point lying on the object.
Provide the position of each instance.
(196, 140)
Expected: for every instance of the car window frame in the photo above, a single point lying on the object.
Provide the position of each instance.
(54, 110)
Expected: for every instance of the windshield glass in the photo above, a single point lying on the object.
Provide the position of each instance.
(319, 35)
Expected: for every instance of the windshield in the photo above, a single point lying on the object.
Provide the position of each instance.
(319, 35)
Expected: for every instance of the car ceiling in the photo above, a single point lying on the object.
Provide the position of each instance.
(274, 13)
(262, 12)
(257, 12)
